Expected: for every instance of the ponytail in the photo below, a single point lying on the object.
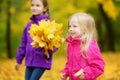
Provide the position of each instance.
(48, 13)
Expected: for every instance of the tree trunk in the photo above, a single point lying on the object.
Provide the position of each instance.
(1, 6)
(100, 38)
(110, 35)
(8, 32)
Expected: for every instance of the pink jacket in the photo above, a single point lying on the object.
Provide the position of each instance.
(92, 67)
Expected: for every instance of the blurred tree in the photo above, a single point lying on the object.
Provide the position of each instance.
(1, 5)
(75, 3)
(14, 17)
(108, 12)
(8, 30)
(9, 11)
(110, 34)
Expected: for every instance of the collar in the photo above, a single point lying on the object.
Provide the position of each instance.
(37, 18)
(69, 39)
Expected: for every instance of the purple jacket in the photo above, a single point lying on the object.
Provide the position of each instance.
(34, 56)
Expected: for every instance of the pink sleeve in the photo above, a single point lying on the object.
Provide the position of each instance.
(65, 70)
(95, 62)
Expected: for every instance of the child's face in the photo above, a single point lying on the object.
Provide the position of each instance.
(74, 28)
(37, 7)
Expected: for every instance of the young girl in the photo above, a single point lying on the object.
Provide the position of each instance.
(84, 60)
(36, 62)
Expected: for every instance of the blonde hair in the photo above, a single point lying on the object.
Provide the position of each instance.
(87, 24)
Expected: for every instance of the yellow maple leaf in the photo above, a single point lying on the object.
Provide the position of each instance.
(46, 35)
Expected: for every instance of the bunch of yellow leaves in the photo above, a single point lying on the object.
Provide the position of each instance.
(48, 34)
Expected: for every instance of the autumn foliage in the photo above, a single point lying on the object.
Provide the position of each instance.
(46, 35)
(112, 68)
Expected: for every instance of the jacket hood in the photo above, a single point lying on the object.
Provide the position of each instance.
(69, 39)
(37, 18)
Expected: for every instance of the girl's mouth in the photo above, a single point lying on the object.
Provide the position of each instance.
(33, 10)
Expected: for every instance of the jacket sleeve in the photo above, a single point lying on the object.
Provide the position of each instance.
(95, 62)
(21, 50)
(52, 51)
(65, 70)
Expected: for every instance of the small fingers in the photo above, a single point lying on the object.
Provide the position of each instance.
(63, 77)
(80, 72)
(17, 66)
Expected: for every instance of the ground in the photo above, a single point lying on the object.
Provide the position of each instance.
(112, 68)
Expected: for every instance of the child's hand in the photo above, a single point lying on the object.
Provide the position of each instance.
(80, 74)
(63, 76)
(17, 66)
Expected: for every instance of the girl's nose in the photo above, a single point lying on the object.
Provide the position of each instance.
(70, 28)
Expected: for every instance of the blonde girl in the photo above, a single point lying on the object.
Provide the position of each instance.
(84, 60)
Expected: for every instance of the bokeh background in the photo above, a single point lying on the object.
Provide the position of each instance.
(14, 15)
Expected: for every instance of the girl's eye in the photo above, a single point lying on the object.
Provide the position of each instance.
(69, 26)
(32, 5)
(37, 5)
(74, 26)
